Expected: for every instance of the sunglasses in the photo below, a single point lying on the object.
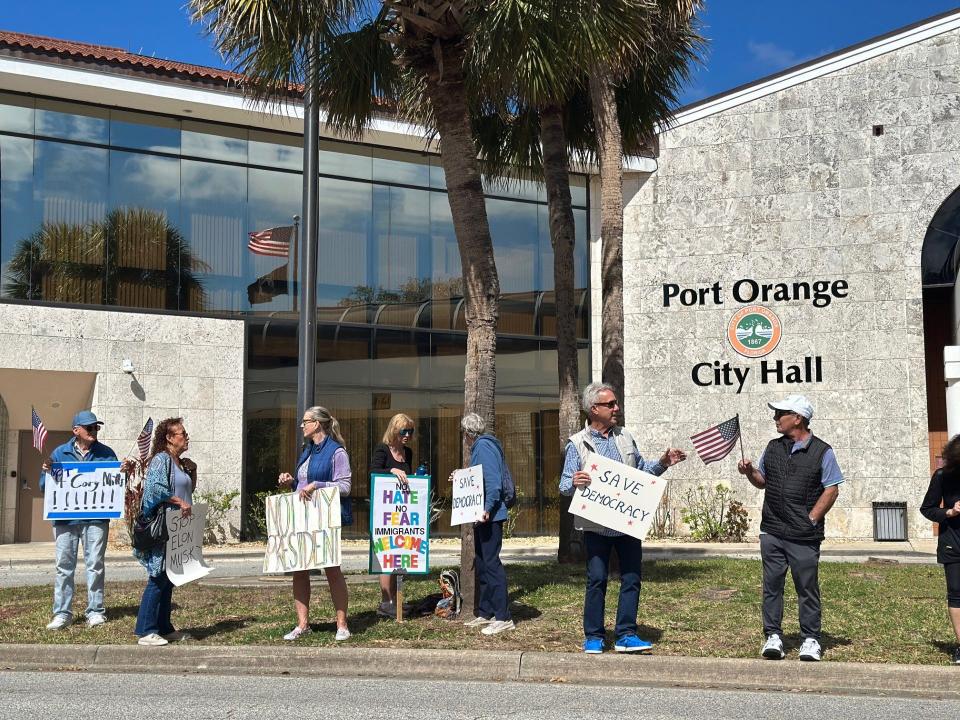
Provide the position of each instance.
(406, 433)
(777, 414)
(91, 428)
(612, 404)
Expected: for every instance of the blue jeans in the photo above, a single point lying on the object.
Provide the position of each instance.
(154, 614)
(67, 537)
(630, 554)
(491, 576)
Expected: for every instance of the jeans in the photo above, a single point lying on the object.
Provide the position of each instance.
(630, 554)
(803, 559)
(491, 576)
(154, 614)
(94, 537)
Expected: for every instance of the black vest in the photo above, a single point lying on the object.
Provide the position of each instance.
(793, 488)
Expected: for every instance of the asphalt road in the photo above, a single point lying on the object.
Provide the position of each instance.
(83, 696)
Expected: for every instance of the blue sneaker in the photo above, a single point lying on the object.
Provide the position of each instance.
(631, 643)
(593, 646)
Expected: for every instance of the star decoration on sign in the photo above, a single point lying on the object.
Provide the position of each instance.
(583, 507)
(593, 467)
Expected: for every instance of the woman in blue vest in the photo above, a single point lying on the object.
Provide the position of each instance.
(322, 463)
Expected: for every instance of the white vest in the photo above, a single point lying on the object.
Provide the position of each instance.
(584, 444)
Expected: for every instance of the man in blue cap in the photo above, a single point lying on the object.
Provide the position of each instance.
(84, 447)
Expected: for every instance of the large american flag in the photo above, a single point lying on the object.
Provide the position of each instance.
(715, 443)
(273, 242)
(143, 440)
(39, 431)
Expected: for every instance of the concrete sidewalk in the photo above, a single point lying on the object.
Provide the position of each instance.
(930, 682)
(446, 550)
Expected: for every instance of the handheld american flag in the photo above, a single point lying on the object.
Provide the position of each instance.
(716, 442)
(273, 242)
(143, 440)
(39, 431)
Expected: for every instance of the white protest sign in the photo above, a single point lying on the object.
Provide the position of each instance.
(618, 496)
(184, 556)
(84, 491)
(467, 504)
(302, 535)
(399, 525)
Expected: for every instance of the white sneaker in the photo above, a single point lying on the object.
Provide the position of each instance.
(297, 633)
(342, 634)
(773, 648)
(498, 626)
(94, 619)
(152, 640)
(59, 622)
(478, 622)
(810, 650)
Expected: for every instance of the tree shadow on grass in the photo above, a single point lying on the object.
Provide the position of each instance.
(225, 625)
(944, 647)
(115, 612)
(793, 641)
(658, 571)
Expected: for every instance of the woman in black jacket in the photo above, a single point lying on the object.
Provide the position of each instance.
(945, 489)
(393, 456)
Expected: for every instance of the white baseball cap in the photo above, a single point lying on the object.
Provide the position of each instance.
(796, 404)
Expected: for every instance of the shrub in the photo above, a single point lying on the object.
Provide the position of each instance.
(714, 516)
(219, 503)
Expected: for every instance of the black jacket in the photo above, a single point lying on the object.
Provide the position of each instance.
(793, 486)
(945, 488)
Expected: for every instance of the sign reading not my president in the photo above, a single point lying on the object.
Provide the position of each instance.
(302, 534)
(618, 497)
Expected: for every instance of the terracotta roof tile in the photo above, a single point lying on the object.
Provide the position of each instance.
(103, 53)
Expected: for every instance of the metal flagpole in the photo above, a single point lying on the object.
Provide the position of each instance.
(307, 270)
(740, 435)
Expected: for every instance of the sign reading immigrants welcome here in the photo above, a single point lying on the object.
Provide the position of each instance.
(754, 330)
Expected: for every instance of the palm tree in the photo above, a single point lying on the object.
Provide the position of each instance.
(66, 261)
(549, 117)
(674, 20)
(408, 55)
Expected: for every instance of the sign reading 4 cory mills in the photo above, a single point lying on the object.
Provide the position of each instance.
(618, 497)
(84, 491)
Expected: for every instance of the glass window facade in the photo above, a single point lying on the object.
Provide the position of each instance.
(110, 207)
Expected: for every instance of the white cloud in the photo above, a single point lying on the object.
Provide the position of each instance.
(772, 55)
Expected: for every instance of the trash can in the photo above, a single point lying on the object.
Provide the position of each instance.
(889, 521)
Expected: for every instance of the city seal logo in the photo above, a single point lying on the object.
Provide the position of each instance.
(754, 331)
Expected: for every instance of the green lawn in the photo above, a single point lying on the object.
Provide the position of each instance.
(872, 612)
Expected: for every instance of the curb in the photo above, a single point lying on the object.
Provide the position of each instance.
(930, 682)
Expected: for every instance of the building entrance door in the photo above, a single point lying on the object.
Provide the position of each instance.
(31, 526)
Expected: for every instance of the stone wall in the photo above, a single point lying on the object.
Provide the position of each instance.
(184, 366)
(793, 186)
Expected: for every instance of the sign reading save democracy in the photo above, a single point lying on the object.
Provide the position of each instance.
(618, 497)
(467, 506)
(84, 491)
(302, 534)
(399, 525)
(184, 552)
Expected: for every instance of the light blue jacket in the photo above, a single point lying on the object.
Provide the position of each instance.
(488, 453)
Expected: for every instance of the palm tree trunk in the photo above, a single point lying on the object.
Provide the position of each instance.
(610, 147)
(458, 156)
(556, 173)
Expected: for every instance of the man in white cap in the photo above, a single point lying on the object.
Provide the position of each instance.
(799, 475)
(84, 447)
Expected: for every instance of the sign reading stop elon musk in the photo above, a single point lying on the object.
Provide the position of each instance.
(755, 330)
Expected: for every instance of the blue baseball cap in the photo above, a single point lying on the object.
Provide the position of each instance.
(85, 417)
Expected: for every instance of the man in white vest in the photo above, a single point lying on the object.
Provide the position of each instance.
(602, 436)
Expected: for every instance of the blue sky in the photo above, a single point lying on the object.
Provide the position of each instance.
(749, 39)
